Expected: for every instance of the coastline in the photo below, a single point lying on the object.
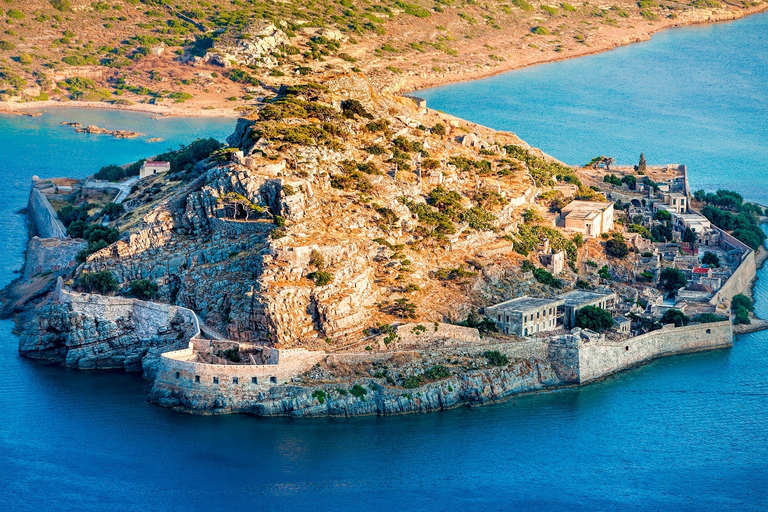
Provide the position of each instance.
(416, 83)
(13, 108)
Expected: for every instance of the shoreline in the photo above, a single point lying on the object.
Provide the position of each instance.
(21, 109)
(414, 83)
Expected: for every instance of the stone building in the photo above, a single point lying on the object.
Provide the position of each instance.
(553, 262)
(676, 201)
(524, 316)
(575, 300)
(587, 217)
(151, 168)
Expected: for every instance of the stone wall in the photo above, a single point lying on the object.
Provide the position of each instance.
(598, 359)
(744, 274)
(200, 386)
(42, 216)
(49, 255)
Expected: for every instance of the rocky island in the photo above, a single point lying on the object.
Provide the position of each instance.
(352, 252)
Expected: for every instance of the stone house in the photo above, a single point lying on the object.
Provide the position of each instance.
(587, 217)
(525, 316)
(553, 262)
(676, 201)
(150, 168)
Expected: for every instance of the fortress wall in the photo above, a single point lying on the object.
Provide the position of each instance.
(43, 217)
(596, 360)
(742, 277)
(51, 255)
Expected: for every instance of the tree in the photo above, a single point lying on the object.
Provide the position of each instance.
(671, 279)
(113, 210)
(631, 181)
(675, 316)
(593, 318)
(662, 215)
(741, 305)
(710, 259)
(102, 282)
(642, 166)
(617, 246)
(689, 236)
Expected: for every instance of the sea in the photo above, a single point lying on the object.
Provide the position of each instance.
(686, 433)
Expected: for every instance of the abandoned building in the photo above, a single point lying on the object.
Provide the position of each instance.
(524, 316)
(587, 217)
(151, 168)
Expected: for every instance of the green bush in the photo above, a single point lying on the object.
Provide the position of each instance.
(144, 289)
(358, 391)
(113, 210)
(321, 278)
(675, 316)
(594, 318)
(110, 173)
(412, 382)
(496, 358)
(101, 282)
(437, 372)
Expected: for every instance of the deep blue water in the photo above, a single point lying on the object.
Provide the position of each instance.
(692, 95)
(683, 433)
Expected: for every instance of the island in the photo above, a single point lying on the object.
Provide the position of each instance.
(352, 252)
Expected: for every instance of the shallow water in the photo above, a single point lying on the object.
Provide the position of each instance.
(686, 432)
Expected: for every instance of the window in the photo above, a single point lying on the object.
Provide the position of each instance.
(254, 380)
(709, 331)
(507, 318)
(499, 317)
(273, 380)
(525, 332)
(235, 380)
(197, 378)
(177, 375)
(537, 314)
(215, 380)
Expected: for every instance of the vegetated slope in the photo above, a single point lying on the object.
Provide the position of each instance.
(347, 210)
(103, 51)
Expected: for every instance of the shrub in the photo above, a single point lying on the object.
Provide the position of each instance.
(101, 282)
(321, 278)
(710, 259)
(144, 289)
(358, 391)
(113, 210)
(539, 30)
(437, 372)
(675, 316)
(110, 173)
(6, 45)
(412, 382)
(672, 279)
(617, 246)
(594, 318)
(351, 108)
(708, 318)
(496, 358)
(320, 395)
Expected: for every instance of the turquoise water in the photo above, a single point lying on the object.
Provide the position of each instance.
(683, 433)
(693, 95)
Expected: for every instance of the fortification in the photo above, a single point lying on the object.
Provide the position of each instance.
(43, 217)
(579, 360)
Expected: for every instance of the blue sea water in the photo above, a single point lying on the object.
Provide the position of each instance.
(692, 95)
(683, 433)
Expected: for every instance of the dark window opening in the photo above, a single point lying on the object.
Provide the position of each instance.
(254, 380)
(626, 348)
(197, 378)
(273, 380)
(215, 380)
(177, 375)
(709, 331)
(235, 380)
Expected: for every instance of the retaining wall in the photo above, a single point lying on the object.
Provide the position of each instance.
(742, 277)
(42, 216)
(598, 359)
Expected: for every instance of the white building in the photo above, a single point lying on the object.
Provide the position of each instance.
(588, 217)
(151, 168)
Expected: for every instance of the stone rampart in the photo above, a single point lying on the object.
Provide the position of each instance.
(42, 216)
(598, 359)
(48, 255)
(742, 277)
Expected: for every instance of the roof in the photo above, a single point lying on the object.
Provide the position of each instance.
(158, 163)
(522, 304)
(578, 297)
(699, 288)
(700, 270)
(585, 209)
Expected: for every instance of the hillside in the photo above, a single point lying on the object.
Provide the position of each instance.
(192, 56)
(337, 209)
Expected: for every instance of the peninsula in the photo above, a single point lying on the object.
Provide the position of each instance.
(352, 252)
(224, 57)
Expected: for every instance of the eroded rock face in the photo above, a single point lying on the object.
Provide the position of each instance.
(75, 338)
(254, 45)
